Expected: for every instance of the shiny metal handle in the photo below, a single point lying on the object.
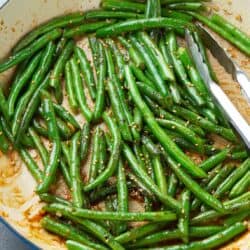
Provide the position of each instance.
(236, 119)
(244, 82)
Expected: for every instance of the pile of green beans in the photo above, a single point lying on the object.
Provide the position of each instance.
(132, 125)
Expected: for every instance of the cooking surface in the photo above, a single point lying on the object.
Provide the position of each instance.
(16, 202)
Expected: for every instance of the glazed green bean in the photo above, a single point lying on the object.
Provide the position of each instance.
(190, 6)
(73, 245)
(57, 71)
(195, 188)
(86, 70)
(29, 51)
(114, 157)
(106, 14)
(158, 80)
(134, 25)
(75, 171)
(180, 70)
(84, 141)
(101, 77)
(17, 87)
(172, 185)
(214, 160)
(116, 5)
(65, 173)
(137, 119)
(121, 216)
(70, 87)
(4, 145)
(31, 165)
(51, 168)
(147, 181)
(94, 164)
(85, 28)
(39, 145)
(153, 149)
(163, 138)
(3, 105)
(211, 242)
(241, 186)
(50, 198)
(69, 232)
(80, 96)
(222, 32)
(37, 78)
(160, 177)
(228, 183)
(122, 194)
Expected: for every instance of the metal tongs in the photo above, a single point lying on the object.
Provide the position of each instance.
(225, 104)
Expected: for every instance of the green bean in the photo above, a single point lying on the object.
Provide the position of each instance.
(157, 57)
(159, 174)
(86, 70)
(85, 28)
(238, 34)
(222, 32)
(172, 185)
(210, 215)
(84, 141)
(211, 242)
(114, 157)
(184, 219)
(113, 216)
(118, 111)
(104, 14)
(101, 76)
(16, 88)
(3, 105)
(70, 87)
(214, 160)
(121, 97)
(177, 14)
(31, 165)
(166, 115)
(241, 186)
(65, 173)
(29, 51)
(119, 61)
(204, 123)
(102, 154)
(116, 5)
(187, 133)
(242, 198)
(98, 231)
(142, 188)
(37, 78)
(64, 130)
(30, 110)
(73, 245)
(192, 6)
(4, 145)
(75, 171)
(149, 11)
(66, 115)
(240, 155)
(50, 198)
(137, 119)
(232, 219)
(39, 128)
(51, 168)
(150, 146)
(59, 48)
(147, 162)
(180, 70)
(163, 138)
(106, 191)
(194, 187)
(133, 54)
(192, 72)
(122, 193)
(228, 183)
(134, 25)
(39, 145)
(57, 71)
(138, 232)
(159, 82)
(94, 164)
(154, 94)
(69, 232)
(80, 96)
(147, 181)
